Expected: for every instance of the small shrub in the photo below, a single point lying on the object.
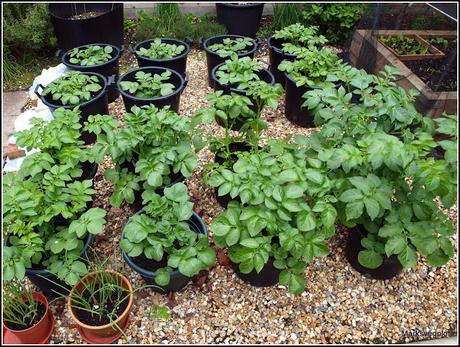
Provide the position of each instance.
(336, 21)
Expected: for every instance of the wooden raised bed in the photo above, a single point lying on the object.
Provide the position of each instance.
(367, 52)
(434, 52)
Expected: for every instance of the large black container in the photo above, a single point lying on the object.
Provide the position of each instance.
(97, 105)
(106, 27)
(107, 69)
(293, 109)
(172, 100)
(275, 50)
(49, 283)
(390, 268)
(240, 19)
(178, 280)
(213, 59)
(268, 276)
(178, 63)
(263, 74)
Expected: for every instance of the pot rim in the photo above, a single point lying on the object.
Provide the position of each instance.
(81, 67)
(236, 90)
(278, 49)
(178, 91)
(101, 94)
(120, 317)
(337, 85)
(182, 43)
(236, 5)
(240, 55)
(115, 7)
(151, 274)
(37, 296)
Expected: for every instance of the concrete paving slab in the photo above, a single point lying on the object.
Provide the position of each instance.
(12, 105)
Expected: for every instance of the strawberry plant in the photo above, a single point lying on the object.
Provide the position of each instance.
(73, 88)
(232, 47)
(286, 210)
(48, 187)
(160, 50)
(156, 142)
(378, 153)
(147, 86)
(93, 55)
(162, 232)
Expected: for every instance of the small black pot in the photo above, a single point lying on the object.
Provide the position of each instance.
(293, 110)
(240, 19)
(178, 281)
(178, 63)
(234, 148)
(268, 276)
(106, 27)
(390, 268)
(48, 282)
(107, 69)
(89, 170)
(97, 105)
(213, 59)
(275, 50)
(263, 74)
(168, 100)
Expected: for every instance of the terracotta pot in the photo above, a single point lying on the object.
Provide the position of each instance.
(40, 333)
(107, 333)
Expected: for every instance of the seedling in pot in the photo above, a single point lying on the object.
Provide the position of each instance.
(238, 72)
(93, 55)
(160, 51)
(20, 310)
(73, 88)
(162, 233)
(148, 86)
(231, 47)
(298, 38)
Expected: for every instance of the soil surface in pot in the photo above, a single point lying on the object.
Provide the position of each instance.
(431, 70)
(86, 15)
(96, 320)
(30, 322)
(150, 264)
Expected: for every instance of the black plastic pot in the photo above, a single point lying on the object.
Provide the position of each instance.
(268, 276)
(106, 27)
(178, 281)
(89, 170)
(97, 105)
(240, 19)
(172, 100)
(275, 50)
(49, 283)
(178, 63)
(390, 268)
(263, 74)
(107, 69)
(213, 59)
(293, 110)
(234, 148)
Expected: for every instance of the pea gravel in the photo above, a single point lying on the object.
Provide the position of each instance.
(339, 305)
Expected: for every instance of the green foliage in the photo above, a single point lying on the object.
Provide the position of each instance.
(157, 142)
(404, 45)
(286, 14)
(166, 20)
(159, 50)
(73, 88)
(148, 86)
(439, 42)
(93, 55)
(238, 72)
(286, 211)
(28, 36)
(299, 38)
(161, 231)
(372, 147)
(312, 67)
(47, 186)
(335, 20)
(19, 306)
(159, 312)
(232, 47)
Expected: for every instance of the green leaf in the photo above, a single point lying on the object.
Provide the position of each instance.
(207, 257)
(295, 282)
(232, 237)
(19, 270)
(354, 210)
(288, 175)
(162, 277)
(408, 257)
(250, 243)
(395, 245)
(372, 208)
(190, 267)
(293, 191)
(305, 221)
(370, 259)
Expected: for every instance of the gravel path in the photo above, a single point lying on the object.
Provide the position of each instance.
(338, 306)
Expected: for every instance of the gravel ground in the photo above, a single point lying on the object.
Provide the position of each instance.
(339, 305)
